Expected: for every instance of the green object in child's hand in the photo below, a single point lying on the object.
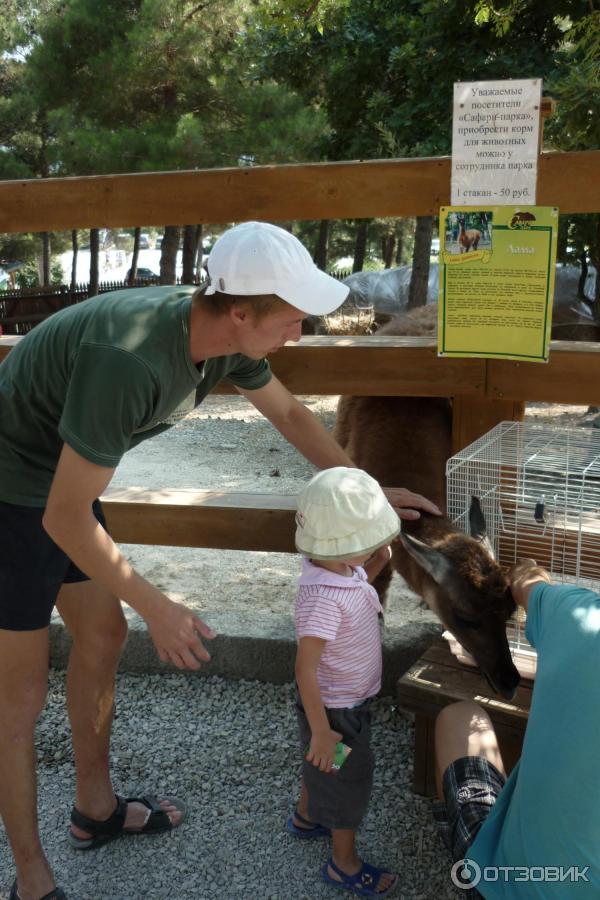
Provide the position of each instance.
(342, 751)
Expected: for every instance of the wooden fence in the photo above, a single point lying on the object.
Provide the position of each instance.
(484, 392)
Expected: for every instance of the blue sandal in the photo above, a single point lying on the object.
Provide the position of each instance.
(309, 833)
(364, 882)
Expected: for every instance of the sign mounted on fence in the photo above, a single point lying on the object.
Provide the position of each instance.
(497, 281)
(495, 136)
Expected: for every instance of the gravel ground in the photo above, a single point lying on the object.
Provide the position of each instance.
(229, 750)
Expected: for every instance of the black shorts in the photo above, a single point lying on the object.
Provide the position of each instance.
(471, 786)
(340, 800)
(32, 567)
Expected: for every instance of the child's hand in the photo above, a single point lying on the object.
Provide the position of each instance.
(377, 562)
(322, 749)
(382, 555)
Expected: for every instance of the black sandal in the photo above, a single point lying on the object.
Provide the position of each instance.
(55, 894)
(111, 828)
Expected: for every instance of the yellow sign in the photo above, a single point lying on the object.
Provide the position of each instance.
(497, 281)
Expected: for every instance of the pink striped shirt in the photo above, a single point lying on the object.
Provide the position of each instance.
(344, 612)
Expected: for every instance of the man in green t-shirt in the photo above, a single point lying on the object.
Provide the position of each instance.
(75, 394)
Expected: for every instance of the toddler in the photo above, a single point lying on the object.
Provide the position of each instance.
(344, 527)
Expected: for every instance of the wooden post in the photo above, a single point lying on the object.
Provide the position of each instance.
(473, 416)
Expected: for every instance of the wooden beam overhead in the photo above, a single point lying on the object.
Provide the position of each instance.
(401, 187)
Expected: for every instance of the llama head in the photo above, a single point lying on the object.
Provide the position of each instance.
(470, 594)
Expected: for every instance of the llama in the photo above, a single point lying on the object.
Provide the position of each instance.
(467, 239)
(405, 442)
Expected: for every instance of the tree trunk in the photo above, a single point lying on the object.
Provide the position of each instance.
(168, 256)
(360, 245)
(45, 273)
(583, 275)
(399, 243)
(75, 248)
(132, 274)
(596, 260)
(320, 255)
(419, 279)
(199, 255)
(192, 235)
(388, 250)
(94, 255)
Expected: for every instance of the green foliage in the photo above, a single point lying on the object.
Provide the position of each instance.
(576, 86)
(28, 275)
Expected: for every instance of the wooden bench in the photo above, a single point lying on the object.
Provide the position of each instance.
(436, 680)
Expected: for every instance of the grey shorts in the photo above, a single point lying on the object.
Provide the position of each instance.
(471, 786)
(340, 800)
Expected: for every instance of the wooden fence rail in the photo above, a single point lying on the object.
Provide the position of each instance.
(340, 190)
(484, 391)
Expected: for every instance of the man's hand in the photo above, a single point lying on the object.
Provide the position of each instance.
(176, 634)
(407, 504)
(523, 576)
(321, 752)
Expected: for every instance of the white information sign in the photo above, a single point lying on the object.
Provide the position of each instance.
(495, 136)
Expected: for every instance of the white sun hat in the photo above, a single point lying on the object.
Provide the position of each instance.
(343, 513)
(258, 258)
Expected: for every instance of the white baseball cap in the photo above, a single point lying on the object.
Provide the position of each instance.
(342, 513)
(259, 258)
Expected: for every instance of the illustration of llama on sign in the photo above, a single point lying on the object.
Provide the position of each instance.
(468, 238)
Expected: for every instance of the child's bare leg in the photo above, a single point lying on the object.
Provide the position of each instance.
(302, 807)
(344, 851)
(300, 818)
(346, 858)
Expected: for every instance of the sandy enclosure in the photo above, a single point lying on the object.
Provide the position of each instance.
(226, 444)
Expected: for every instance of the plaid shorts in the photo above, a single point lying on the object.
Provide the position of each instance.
(471, 787)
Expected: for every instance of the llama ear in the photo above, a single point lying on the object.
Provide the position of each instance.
(477, 526)
(434, 562)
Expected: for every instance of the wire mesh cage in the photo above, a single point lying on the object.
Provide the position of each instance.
(539, 489)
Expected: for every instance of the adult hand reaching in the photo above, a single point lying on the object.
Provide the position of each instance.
(407, 504)
(176, 632)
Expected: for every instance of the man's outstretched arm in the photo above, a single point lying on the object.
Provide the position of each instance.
(308, 435)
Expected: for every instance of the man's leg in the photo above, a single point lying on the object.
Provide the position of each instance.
(464, 729)
(23, 686)
(99, 629)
